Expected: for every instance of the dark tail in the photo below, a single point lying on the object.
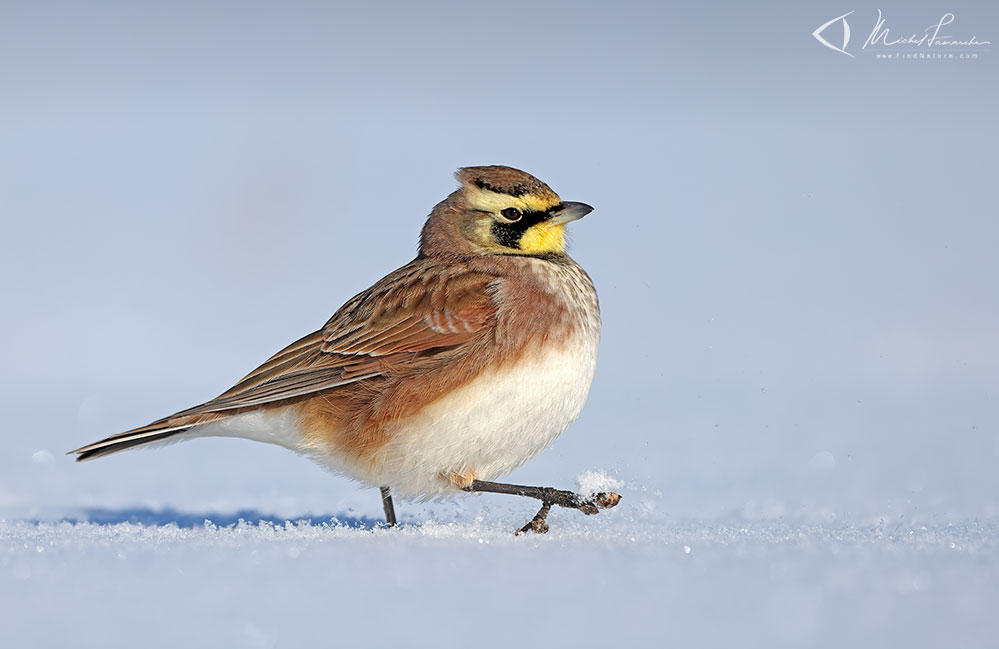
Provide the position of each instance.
(152, 434)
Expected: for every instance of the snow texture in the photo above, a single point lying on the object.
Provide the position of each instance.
(590, 483)
(599, 581)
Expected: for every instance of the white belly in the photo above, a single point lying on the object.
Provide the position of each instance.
(492, 425)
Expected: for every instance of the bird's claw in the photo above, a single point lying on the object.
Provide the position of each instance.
(590, 506)
(538, 524)
(605, 500)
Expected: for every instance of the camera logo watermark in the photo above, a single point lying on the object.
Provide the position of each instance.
(883, 42)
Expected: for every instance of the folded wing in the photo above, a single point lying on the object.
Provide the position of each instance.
(411, 313)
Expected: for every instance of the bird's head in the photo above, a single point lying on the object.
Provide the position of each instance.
(500, 210)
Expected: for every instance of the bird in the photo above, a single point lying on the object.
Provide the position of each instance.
(445, 374)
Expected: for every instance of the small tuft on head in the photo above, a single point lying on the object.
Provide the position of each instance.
(493, 185)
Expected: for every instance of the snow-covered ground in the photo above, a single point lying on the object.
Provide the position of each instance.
(644, 574)
(708, 548)
(597, 581)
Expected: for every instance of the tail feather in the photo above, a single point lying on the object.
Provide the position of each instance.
(156, 432)
(112, 445)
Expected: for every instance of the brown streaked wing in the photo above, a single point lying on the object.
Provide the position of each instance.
(428, 310)
(407, 312)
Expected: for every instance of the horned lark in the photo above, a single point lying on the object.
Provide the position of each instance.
(448, 373)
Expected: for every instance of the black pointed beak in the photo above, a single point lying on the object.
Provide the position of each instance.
(569, 211)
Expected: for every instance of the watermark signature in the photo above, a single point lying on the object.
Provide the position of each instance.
(934, 42)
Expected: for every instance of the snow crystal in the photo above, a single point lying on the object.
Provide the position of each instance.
(42, 457)
(593, 482)
(822, 461)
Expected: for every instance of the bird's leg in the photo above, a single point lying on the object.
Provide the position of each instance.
(548, 496)
(538, 524)
(389, 507)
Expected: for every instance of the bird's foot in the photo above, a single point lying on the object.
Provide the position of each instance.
(538, 524)
(548, 496)
(568, 499)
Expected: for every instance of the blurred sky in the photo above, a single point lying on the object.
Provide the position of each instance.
(795, 250)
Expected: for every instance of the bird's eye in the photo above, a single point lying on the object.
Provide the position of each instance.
(512, 214)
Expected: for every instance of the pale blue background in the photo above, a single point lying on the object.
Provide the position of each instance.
(795, 251)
